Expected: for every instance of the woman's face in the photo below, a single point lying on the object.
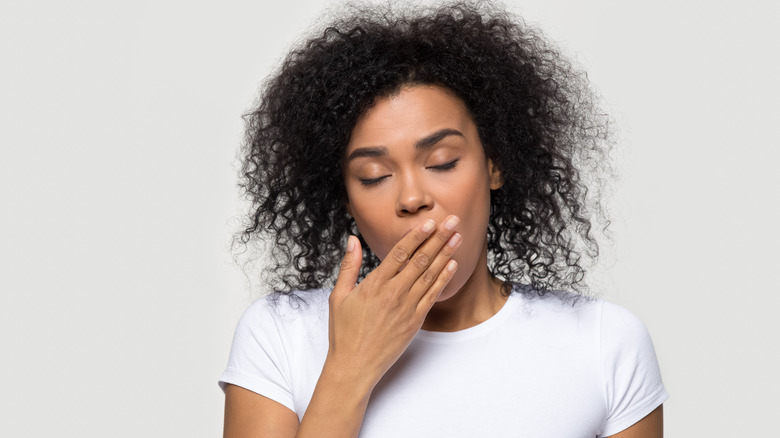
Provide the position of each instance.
(416, 156)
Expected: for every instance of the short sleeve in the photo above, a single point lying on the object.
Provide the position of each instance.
(257, 359)
(632, 379)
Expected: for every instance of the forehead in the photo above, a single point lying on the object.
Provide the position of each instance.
(412, 113)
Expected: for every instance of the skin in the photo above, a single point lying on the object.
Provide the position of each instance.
(418, 186)
(432, 168)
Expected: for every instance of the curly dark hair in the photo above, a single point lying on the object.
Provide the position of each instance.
(536, 115)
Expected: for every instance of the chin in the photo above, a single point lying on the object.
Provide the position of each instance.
(444, 296)
(468, 268)
(452, 289)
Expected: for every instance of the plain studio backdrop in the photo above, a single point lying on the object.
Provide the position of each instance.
(119, 125)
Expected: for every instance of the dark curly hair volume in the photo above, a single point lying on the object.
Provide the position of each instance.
(536, 118)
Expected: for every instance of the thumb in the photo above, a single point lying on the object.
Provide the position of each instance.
(350, 267)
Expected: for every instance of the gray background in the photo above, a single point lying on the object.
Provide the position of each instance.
(119, 126)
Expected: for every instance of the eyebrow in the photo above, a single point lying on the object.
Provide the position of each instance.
(436, 137)
(423, 143)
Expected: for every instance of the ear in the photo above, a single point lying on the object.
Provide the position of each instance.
(348, 206)
(496, 180)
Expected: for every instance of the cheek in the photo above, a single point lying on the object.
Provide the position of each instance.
(374, 231)
(367, 220)
(472, 255)
(474, 233)
(472, 203)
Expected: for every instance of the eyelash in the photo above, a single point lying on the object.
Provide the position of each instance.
(445, 166)
(371, 182)
(440, 168)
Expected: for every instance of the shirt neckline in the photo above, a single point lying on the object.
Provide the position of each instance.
(476, 330)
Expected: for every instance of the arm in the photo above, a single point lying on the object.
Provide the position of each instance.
(250, 414)
(632, 377)
(333, 408)
(336, 406)
(652, 426)
(370, 326)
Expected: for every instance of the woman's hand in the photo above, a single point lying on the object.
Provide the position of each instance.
(371, 324)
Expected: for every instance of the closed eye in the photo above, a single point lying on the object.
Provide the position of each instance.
(372, 181)
(439, 168)
(445, 166)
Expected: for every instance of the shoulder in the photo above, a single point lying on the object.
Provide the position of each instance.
(621, 340)
(278, 337)
(559, 310)
(601, 315)
(624, 338)
(617, 342)
(281, 321)
(614, 332)
(289, 308)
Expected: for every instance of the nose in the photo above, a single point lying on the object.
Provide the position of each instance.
(412, 196)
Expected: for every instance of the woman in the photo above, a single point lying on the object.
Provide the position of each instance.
(445, 148)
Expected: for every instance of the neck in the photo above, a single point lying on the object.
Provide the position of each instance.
(477, 301)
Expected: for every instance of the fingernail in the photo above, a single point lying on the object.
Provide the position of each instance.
(429, 226)
(454, 240)
(452, 266)
(350, 243)
(451, 223)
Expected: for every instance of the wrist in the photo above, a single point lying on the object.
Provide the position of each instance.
(349, 376)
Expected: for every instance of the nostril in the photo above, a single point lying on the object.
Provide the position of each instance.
(414, 209)
(413, 198)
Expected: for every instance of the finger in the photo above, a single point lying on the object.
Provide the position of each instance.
(427, 279)
(350, 268)
(428, 251)
(434, 292)
(400, 253)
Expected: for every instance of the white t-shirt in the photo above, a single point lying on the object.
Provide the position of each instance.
(540, 367)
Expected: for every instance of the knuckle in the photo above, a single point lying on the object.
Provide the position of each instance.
(419, 235)
(399, 254)
(427, 277)
(421, 260)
